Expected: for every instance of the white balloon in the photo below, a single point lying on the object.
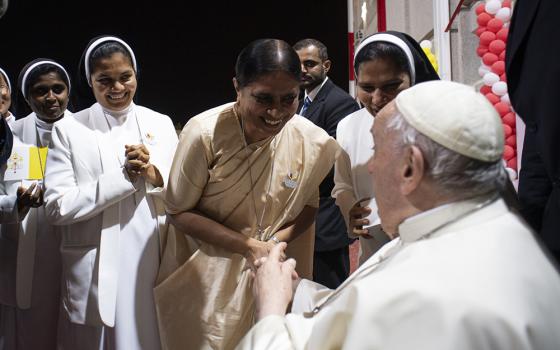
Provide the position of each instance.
(504, 14)
(426, 44)
(490, 79)
(483, 69)
(505, 99)
(499, 88)
(493, 6)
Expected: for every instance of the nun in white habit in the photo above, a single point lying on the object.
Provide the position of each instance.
(108, 168)
(6, 98)
(29, 248)
(385, 64)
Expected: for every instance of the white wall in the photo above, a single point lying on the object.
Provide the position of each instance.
(415, 17)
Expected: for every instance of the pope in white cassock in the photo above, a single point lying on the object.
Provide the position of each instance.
(463, 272)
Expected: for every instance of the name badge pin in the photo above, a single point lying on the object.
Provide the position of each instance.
(289, 182)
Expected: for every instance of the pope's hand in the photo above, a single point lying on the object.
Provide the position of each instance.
(273, 283)
(138, 164)
(258, 249)
(358, 219)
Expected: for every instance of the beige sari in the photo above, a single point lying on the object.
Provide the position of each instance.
(207, 301)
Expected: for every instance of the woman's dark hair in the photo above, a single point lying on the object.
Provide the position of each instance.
(21, 107)
(105, 50)
(266, 56)
(381, 50)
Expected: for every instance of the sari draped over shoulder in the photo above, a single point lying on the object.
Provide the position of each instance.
(207, 301)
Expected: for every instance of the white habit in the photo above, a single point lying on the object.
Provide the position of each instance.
(29, 261)
(112, 226)
(480, 281)
(352, 181)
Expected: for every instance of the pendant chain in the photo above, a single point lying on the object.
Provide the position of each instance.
(260, 230)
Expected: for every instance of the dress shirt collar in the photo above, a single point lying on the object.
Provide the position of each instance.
(315, 91)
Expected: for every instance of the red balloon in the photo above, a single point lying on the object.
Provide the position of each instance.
(499, 67)
(502, 108)
(493, 25)
(502, 34)
(512, 163)
(481, 51)
(508, 131)
(503, 78)
(485, 90)
(489, 59)
(479, 31)
(511, 141)
(509, 152)
(492, 98)
(480, 8)
(487, 37)
(506, 3)
(483, 19)
(502, 56)
(509, 119)
(497, 46)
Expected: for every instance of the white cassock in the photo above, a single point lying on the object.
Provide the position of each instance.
(111, 238)
(458, 277)
(29, 261)
(352, 181)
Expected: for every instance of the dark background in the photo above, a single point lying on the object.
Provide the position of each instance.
(186, 50)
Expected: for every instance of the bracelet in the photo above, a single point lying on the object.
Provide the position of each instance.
(274, 239)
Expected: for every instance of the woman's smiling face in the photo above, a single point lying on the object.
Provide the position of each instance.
(48, 97)
(267, 104)
(378, 82)
(113, 81)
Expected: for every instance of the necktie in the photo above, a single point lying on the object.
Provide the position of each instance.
(306, 104)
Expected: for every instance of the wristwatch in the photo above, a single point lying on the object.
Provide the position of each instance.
(274, 239)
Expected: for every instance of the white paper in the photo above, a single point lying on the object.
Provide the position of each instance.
(18, 164)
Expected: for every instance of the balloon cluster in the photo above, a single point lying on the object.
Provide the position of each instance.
(426, 46)
(493, 18)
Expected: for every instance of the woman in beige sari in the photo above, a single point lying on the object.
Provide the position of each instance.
(245, 177)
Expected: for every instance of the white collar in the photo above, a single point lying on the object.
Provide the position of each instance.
(315, 91)
(427, 222)
(118, 114)
(43, 125)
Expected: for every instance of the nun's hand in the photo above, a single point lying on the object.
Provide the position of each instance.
(358, 219)
(31, 197)
(138, 165)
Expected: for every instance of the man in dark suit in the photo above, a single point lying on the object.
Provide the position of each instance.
(325, 104)
(533, 74)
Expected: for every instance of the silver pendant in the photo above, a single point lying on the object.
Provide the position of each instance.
(288, 182)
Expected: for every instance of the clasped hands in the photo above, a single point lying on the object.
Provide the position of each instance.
(274, 282)
(138, 165)
(31, 197)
